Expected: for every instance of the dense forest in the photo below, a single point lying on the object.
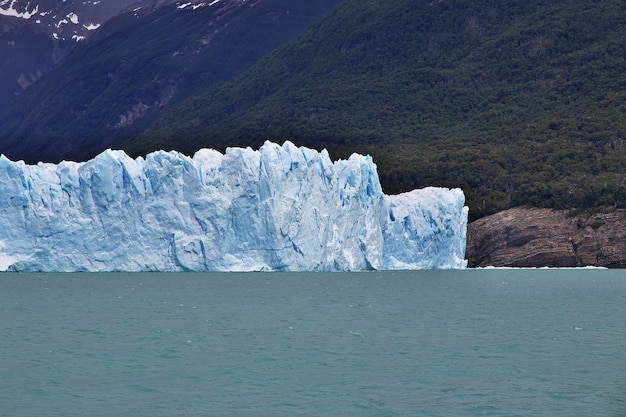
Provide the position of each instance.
(517, 103)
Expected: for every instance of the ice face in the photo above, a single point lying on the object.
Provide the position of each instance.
(278, 208)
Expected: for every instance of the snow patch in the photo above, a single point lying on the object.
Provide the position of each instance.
(73, 18)
(193, 6)
(11, 11)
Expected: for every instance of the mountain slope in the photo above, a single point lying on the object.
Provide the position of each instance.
(35, 35)
(515, 102)
(153, 55)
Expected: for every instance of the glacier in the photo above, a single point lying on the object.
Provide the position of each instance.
(279, 208)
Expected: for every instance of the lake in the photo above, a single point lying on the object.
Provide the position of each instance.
(488, 342)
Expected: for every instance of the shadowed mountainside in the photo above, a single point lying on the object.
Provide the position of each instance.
(36, 34)
(154, 55)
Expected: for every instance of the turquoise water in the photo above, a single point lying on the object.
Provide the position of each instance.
(429, 343)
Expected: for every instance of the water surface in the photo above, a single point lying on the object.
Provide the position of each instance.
(426, 343)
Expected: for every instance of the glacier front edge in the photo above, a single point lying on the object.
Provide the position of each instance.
(281, 208)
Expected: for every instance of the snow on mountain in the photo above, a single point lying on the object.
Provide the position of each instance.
(74, 19)
(11, 11)
(36, 35)
(278, 208)
(64, 19)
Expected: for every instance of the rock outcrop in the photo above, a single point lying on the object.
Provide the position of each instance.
(534, 237)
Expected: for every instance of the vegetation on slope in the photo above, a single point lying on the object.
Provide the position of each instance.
(517, 103)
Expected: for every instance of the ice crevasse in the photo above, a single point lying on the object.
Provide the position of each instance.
(282, 208)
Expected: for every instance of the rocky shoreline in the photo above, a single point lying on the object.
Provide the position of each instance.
(532, 237)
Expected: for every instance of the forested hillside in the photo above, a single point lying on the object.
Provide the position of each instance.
(517, 103)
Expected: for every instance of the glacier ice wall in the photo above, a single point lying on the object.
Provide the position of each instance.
(278, 208)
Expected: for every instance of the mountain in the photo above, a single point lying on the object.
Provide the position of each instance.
(517, 103)
(152, 55)
(35, 35)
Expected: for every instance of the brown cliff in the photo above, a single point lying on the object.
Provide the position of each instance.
(522, 237)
